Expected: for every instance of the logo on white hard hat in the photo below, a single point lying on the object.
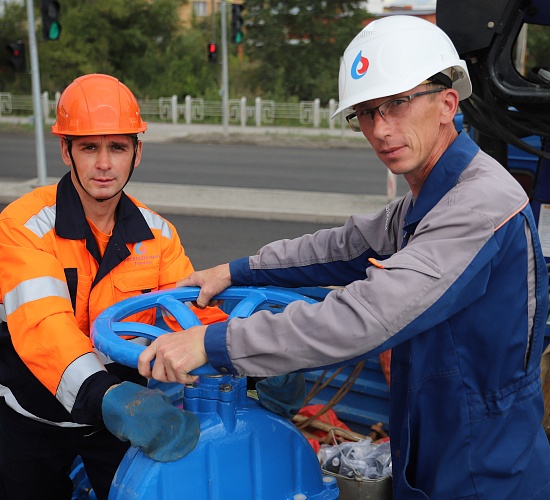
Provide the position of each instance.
(359, 67)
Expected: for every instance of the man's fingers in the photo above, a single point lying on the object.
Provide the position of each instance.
(145, 359)
(189, 281)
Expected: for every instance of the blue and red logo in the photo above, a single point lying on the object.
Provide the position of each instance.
(359, 67)
(140, 248)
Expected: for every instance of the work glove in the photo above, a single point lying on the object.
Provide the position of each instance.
(284, 394)
(147, 419)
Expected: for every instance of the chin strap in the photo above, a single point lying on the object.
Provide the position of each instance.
(99, 200)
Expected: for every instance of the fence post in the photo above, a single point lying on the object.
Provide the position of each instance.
(45, 105)
(316, 112)
(258, 111)
(243, 112)
(331, 110)
(188, 109)
(174, 109)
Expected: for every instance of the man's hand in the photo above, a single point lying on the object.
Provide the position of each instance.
(175, 355)
(211, 281)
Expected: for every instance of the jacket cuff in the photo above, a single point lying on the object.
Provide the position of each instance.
(240, 272)
(215, 345)
(87, 406)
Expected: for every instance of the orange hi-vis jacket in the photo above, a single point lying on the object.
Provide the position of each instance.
(54, 281)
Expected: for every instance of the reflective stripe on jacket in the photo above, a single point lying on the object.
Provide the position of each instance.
(54, 282)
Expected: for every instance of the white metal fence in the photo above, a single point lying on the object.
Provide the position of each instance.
(196, 110)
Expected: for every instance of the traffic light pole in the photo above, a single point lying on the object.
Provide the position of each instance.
(35, 75)
(225, 77)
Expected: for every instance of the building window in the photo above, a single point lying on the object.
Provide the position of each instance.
(199, 9)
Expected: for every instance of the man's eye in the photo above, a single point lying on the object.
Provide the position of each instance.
(365, 112)
(398, 102)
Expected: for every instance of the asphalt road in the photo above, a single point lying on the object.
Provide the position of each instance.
(349, 170)
(212, 240)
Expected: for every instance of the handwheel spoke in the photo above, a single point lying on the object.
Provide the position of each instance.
(181, 311)
(248, 305)
(135, 329)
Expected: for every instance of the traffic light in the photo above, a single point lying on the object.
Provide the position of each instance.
(237, 23)
(51, 29)
(16, 56)
(212, 52)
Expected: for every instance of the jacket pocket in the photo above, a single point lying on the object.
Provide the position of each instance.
(134, 283)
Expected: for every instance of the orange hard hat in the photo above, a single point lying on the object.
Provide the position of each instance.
(97, 105)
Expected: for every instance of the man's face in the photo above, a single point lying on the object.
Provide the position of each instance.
(409, 144)
(103, 163)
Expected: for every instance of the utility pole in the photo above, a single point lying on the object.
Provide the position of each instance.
(225, 77)
(35, 76)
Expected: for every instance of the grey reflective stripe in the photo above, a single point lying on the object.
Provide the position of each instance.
(42, 222)
(10, 400)
(2, 313)
(531, 290)
(34, 289)
(155, 221)
(75, 375)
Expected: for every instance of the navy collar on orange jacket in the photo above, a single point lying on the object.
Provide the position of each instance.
(71, 223)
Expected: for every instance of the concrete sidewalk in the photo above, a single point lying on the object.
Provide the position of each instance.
(265, 204)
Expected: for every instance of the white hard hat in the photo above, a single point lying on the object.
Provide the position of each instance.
(395, 54)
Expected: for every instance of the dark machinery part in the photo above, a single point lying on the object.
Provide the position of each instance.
(505, 106)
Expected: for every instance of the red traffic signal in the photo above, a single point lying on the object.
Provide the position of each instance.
(16, 56)
(212, 52)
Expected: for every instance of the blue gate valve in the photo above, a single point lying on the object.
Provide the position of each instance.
(244, 450)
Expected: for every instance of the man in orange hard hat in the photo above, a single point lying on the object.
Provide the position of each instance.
(67, 252)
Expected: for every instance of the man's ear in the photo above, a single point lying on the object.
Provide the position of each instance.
(449, 105)
(65, 152)
(139, 149)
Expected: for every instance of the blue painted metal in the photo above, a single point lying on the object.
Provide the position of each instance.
(365, 404)
(244, 451)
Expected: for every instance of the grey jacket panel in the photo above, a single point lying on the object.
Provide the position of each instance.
(375, 313)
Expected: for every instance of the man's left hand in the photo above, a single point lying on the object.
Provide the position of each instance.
(174, 355)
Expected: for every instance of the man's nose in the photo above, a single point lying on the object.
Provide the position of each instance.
(380, 126)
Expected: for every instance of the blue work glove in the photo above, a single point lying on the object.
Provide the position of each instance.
(148, 420)
(284, 394)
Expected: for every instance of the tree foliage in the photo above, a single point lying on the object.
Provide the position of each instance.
(295, 46)
(538, 46)
(142, 43)
(291, 49)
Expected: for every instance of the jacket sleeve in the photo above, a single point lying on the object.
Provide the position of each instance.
(40, 316)
(335, 256)
(447, 263)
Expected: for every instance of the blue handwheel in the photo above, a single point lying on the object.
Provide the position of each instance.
(109, 327)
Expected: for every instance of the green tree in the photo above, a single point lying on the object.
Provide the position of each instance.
(143, 43)
(538, 46)
(294, 47)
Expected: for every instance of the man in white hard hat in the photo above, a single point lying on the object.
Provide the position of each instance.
(451, 277)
